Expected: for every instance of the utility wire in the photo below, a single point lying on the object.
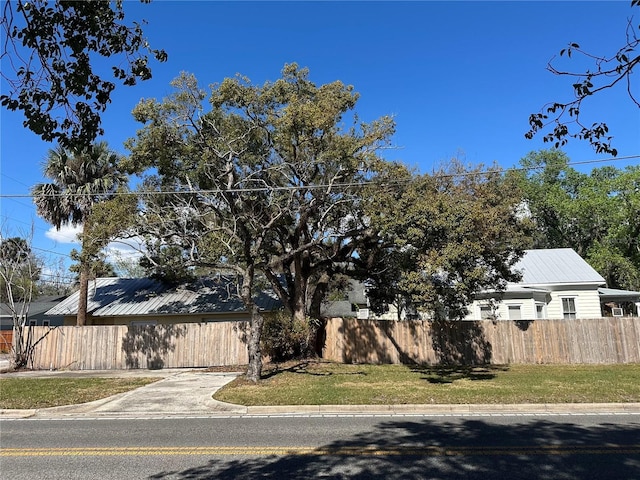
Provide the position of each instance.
(51, 251)
(324, 186)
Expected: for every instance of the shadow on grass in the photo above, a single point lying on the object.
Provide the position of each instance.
(470, 449)
(303, 367)
(442, 374)
(437, 374)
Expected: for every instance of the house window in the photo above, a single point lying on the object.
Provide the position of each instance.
(32, 323)
(569, 308)
(45, 323)
(514, 312)
(486, 312)
(540, 310)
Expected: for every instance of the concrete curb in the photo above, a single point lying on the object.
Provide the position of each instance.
(437, 409)
(17, 413)
(226, 409)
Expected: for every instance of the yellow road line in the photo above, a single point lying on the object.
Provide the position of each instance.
(429, 451)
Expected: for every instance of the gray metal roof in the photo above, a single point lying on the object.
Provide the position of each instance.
(620, 295)
(145, 296)
(556, 266)
(38, 309)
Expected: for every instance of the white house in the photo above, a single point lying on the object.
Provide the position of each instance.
(556, 283)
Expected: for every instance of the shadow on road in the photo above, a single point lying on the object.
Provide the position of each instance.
(471, 449)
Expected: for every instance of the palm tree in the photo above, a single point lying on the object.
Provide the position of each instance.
(79, 180)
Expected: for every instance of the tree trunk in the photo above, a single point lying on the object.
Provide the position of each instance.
(254, 370)
(18, 349)
(315, 343)
(81, 319)
(319, 293)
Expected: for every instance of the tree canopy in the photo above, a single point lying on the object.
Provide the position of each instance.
(448, 236)
(50, 68)
(266, 180)
(596, 214)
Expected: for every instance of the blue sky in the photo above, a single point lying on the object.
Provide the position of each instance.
(460, 78)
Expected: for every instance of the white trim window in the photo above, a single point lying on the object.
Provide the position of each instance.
(540, 311)
(487, 312)
(569, 310)
(515, 312)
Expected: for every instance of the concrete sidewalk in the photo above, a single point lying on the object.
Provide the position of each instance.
(178, 392)
(187, 393)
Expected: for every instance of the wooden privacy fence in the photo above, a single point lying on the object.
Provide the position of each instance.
(157, 346)
(596, 341)
(588, 341)
(6, 340)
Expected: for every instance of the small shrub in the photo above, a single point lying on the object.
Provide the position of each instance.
(283, 338)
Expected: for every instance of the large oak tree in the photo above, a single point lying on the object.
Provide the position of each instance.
(266, 179)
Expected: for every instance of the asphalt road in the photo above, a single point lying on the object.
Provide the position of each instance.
(393, 447)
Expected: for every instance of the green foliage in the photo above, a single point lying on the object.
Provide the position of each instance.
(79, 180)
(285, 337)
(99, 267)
(606, 73)
(450, 236)
(52, 49)
(271, 174)
(167, 263)
(596, 214)
(266, 173)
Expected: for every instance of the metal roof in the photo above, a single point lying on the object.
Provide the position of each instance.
(620, 295)
(145, 296)
(556, 266)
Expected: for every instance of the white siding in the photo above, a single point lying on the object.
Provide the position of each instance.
(527, 308)
(587, 303)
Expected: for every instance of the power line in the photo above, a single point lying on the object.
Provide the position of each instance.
(60, 277)
(335, 185)
(51, 251)
(26, 205)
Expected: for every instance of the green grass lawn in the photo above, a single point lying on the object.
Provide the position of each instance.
(317, 383)
(320, 383)
(53, 392)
